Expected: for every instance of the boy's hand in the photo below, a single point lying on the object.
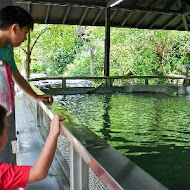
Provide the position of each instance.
(55, 125)
(46, 99)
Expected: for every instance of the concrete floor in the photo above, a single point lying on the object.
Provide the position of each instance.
(30, 145)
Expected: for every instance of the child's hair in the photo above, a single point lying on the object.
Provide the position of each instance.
(15, 15)
(3, 113)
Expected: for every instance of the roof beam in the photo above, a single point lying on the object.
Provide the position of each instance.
(185, 22)
(66, 2)
(152, 5)
(140, 21)
(47, 14)
(183, 16)
(170, 21)
(126, 19)
(185, 2)
(155, 20)
(66, 15)
(113, 14)
(156, 3)
(179, 26)
(83, 15)
(102, 5)
(97, 16)
(168, 7)
(145, 10)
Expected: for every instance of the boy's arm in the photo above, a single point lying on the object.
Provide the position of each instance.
(40, 169)
(18, 78)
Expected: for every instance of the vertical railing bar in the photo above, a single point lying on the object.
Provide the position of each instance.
(74, 169)
(83, 169)
(38, 114)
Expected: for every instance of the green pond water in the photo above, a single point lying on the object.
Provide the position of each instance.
(151, 130)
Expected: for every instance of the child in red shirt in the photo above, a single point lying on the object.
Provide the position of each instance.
(11, 176)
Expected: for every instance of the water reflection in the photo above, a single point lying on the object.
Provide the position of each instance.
(153, 131)
(106, 119)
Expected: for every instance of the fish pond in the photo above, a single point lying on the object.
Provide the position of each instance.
(150, 129)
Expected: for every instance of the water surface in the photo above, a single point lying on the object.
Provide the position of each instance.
(151, 130)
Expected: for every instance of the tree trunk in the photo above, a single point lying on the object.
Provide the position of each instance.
(160, 58)
(92, 51)
(27, 65)
(92, 65)
(28, 58)
(164, 71)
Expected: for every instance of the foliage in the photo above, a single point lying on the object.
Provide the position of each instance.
(55, 64)
(93, 38)
(67, 50)
(51, 54)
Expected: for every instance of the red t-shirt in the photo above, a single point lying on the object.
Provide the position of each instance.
(12, 177)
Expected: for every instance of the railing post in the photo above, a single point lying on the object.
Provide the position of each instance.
(108, 82)
(83, 169)
(63, 83)
(187, 81)
(146, 80)
(39, 115)
(78, 171)
(111, 82)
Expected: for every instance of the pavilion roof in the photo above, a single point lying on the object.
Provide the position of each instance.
(145, 14)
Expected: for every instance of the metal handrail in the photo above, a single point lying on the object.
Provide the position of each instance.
(107, 77)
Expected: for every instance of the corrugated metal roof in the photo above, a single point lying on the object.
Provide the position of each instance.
(147, 14)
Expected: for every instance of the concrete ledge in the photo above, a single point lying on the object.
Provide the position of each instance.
(164, 89)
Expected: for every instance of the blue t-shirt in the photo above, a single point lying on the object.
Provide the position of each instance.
(6, 54)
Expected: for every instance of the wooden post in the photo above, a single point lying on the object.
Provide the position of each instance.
(146, 80)
(107, 43)
(63, 83)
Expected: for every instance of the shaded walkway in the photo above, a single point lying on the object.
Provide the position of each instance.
(30, 145)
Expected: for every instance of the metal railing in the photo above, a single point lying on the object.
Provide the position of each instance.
(108, 81)
(87, 161)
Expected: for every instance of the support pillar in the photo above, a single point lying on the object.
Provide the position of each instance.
(107, 43)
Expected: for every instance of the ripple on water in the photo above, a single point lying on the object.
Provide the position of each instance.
(153, 131)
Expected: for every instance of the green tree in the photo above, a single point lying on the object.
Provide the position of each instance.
(59, 50)
(89, 59)
(28, 47)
